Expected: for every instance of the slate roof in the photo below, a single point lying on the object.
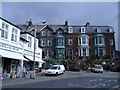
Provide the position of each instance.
(76, 29)
(40, 27)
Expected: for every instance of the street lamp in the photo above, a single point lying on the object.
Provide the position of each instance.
(33, 75)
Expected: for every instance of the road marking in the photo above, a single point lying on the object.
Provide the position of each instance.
(118, 86)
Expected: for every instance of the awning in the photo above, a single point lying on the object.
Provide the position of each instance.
(10, 54)
(36, 59)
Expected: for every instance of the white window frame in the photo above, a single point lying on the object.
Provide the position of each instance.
(102, 40)
(82, 29)
(4, 30)
(29, 41)
(111, 41)
(103, 51)
(98, 30)
(70, 29)
(43, 33)
(49, 33)
(84, 40)
(110, 29)
(60, 52)
(70, 41)
(14, 35)
(60, 32)
(49, 42)
(86, 53)
(43, 42)
(60, 42)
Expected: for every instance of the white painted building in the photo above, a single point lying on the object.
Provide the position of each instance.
(27, 41)
(14, 50)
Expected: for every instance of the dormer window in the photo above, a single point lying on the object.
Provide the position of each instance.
(110, 29)
(43, 33)
(82, 29)
(70, 30)
(98, 30)
(111, 41)
(60, 32)
(49, 33)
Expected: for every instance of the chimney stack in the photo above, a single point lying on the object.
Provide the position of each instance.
(66, 23)
(87, 24)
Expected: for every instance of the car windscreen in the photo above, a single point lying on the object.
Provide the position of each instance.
(98, 67)
(53, 67)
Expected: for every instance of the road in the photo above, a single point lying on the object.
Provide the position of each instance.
(72, 80)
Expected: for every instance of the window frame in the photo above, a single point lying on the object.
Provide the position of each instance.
(29, 41)
(43, 42)
(49, 42)
(82, 29)
(4, 30)
(84, 52)
(60, 32)
(111, 42)
(14, 34)
(70, 29)
(43, 33)
(49, 33)
(70, 41)
(84, 39)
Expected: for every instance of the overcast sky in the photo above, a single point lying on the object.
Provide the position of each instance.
(77, 13)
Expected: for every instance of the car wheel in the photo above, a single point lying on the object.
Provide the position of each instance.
(56, 73)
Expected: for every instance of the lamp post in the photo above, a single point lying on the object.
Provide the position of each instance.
(33, 75)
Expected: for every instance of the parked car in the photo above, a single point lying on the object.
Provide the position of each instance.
(97, 68)
(55, 70)
(75, 68)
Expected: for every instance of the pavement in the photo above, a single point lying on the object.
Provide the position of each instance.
(22, 80)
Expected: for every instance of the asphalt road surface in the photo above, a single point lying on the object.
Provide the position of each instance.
(73, 80)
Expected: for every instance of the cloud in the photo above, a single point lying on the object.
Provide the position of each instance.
(77, 13)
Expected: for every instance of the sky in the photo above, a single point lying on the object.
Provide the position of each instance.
(76, 13)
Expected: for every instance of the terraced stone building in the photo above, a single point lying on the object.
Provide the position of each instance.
(61, 42)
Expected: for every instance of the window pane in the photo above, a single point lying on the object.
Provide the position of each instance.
(6, 34)
(83, 40)
(59, 32)
(30, 41)
(6, 27)
(111, 41)
(2, 33)
(84, 52)
(14, 35)
(100, 40)
(3, 25)
(12, 38)
(70, 42)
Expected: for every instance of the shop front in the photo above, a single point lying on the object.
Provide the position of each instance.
(12, 64)
(38, 62)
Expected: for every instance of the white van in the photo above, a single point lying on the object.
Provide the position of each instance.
(55, 70)
(97, 68)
